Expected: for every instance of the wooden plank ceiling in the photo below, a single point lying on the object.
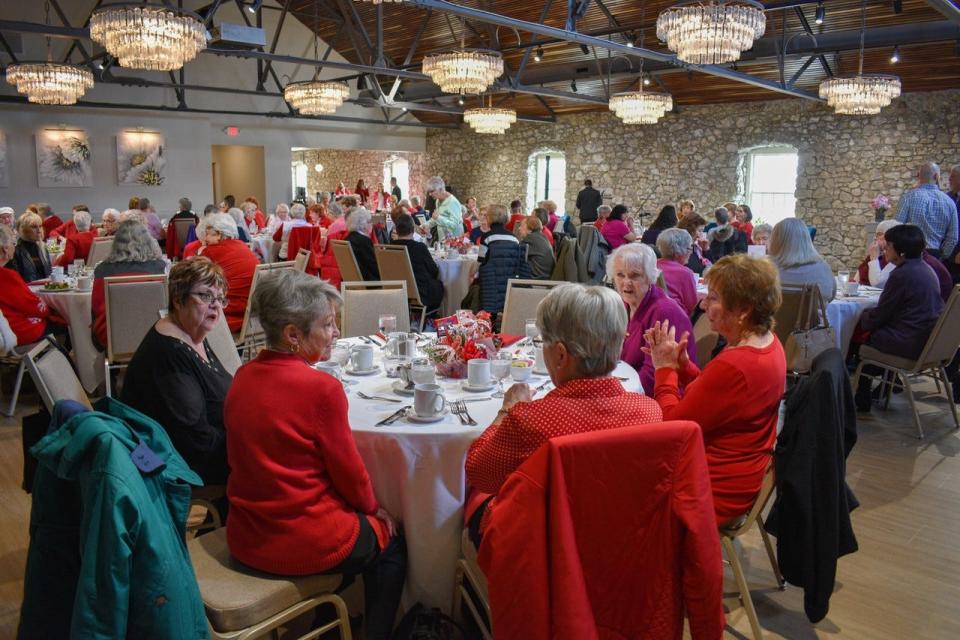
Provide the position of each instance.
(923, 67)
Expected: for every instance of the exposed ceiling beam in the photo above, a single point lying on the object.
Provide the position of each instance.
(947, 8)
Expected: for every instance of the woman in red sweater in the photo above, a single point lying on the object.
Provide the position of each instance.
(236, 260)
(301, 501)
(25, 312)
(736, 398)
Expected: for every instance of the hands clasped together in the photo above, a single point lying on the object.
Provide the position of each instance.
(663, 346)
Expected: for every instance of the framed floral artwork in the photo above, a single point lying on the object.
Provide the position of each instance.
(141, 158)
(64, 158)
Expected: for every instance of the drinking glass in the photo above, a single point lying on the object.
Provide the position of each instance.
(387, 323)
(340, 353)
(530, 328)
(500, 368)
(843, 277)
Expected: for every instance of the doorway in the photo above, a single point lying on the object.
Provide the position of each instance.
(238, 170)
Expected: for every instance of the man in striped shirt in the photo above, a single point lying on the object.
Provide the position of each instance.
(932, 210)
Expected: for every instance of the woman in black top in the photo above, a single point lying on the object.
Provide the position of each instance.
(30, 258)
(425, 269)
(666, 219)
(176, 379)
(359, 226)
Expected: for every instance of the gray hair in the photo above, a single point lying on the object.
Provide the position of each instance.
(335, 210)
(133, 243)
(292, 297)
(298, 211)
(132, 214)
(760, 229)
(237, 216)
(634, 256)
(282, 206)
(929, 172)
(674, 242)
(790, 244)
(722, 215)
(248, 208)
(222, 224)
(435, 184)
(185, 204)
(324, 197)
(82, 220)
(110, 214)
(604, 208)
(8, 237)
(415, 201)
(359, 220)
(590, 322)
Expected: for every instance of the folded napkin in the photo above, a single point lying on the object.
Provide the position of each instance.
(509, 339)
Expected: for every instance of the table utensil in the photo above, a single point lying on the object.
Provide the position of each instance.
(393, 417)
(460, 407)
(368, 397)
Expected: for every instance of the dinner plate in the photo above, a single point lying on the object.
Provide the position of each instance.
(70, 288)
(466, 386)
(362, 372)
(402, 389)
(413, 417)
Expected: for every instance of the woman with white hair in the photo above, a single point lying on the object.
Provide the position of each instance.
(78, 243)
(676, 247)
(792, 251)
(242, 230)
(109, 222)
(448, 216)
(761, 234)
(633, 270)
(7, 215)
(359, 226)
(874, 270)
(238, 262)
(281, 214)
(583, 329)
(30, 258)
(298, 214)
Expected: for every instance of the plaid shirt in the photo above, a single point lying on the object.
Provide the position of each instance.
(934, 212)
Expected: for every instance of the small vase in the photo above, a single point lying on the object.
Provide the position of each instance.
(879, 214)
(456, 369)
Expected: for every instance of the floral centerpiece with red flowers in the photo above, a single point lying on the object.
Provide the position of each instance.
(460, 243)
(460, 338)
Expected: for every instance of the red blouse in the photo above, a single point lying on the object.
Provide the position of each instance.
(736, 401)
(238, 264)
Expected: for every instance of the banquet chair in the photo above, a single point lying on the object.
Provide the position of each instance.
(242, 603)
(204, 515)
(251, 335)
(99, 250)
(798, 302)
(941, 347)
(393, 262)
(16, 358)
(313, 240)
(520, 304)
(132, 305)
(364, 302)
(346, 261)
(53, 375)
(182, 230)
(735, 529)
(300, 262)
(221, 341)
(706, 340)
(477, 596)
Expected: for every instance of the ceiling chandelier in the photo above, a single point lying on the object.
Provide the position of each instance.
(143, 36)
(641, 107)
(49, 82)
(711, 31)
(490, 119)
(863, 94)
(464, 70)
(316, 97)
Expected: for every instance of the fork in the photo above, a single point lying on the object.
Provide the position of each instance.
(455, 410)
(366, 397)
(460, 407)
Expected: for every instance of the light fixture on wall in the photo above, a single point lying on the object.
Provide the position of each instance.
(490, 119)
(50, 82)
(862, 94)
(317, 97)
(318, 168)
(711, 31)
(144, 36)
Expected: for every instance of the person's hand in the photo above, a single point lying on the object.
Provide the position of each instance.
(663, 347)
(436, 214)
(393, 527)
(519, 392)
(874, 250)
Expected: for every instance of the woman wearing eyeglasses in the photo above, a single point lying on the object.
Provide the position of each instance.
(175, 377)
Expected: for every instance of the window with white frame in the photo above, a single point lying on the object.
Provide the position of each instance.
(769, 176)
(399, 168)
(547, 178)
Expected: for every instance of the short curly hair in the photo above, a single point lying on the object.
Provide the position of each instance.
(747, 284)
(187, 274)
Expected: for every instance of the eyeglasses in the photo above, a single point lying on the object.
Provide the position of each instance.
(208, 298)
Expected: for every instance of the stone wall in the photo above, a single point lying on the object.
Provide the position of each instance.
(350, 165)
(844, 161)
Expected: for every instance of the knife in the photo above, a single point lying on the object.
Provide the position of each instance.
(393, 417)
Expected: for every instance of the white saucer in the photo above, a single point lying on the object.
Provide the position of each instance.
(401, 389)
(537, 372)
(466, 386)
(362, 372)
(413, 417)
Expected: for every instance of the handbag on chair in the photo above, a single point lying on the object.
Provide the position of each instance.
(812, 333)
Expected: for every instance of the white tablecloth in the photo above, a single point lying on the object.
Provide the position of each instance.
(844, 313)
(74, 307)
(418, 476)
(456, 275)
(263, 245)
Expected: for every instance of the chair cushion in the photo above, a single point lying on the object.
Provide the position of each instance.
(235, 596)
(473, 569)
(869, 353)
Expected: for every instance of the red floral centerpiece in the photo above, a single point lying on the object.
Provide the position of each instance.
(460, 243)
(460, 338)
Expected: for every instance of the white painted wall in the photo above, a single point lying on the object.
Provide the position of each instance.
(188, 136)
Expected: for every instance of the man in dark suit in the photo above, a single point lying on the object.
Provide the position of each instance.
(587, 202)
(395, 189)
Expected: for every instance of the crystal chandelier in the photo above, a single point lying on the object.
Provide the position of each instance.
(863, 94)
(464, 70)
(641, 107)
(316, 97)
(711, 31)
(490, 119)
(143, 36)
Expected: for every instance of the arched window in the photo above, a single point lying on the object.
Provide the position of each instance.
(768, 182)
(547, 178)
(399, 168)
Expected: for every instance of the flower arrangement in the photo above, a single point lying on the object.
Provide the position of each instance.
(460, 338)
(880, 205)
(460, 243)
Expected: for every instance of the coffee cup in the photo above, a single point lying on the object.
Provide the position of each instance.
(428, 400)
(478, 372)
(362, 357)
(331, 367)
(520, 370)
(84, 283)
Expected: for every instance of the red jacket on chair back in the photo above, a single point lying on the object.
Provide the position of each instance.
(608, 534)
(329, 270)
(308, 238)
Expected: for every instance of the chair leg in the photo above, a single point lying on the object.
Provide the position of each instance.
(106, 378)
(742, 586)
(456, 611)
(949, 391)
(15, 393)
(771, 554)
(913, 405)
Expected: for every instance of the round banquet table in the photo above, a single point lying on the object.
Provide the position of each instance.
(417, 471)
(263, 245)
(456, 275)
(75, 307)
(844, 314)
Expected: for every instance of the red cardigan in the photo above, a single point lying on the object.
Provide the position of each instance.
(24, 310)
(238, 264)
(67, 229)
(51, 224)
(296, 481)
(78, 247)
(608, 534)
(736, 401)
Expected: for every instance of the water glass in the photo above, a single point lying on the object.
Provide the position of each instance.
(500, 368)
(530, 328)
(387, 323)
(843, 277)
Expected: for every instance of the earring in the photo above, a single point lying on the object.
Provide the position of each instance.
(295, 347)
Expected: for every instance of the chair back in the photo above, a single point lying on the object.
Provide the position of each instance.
(364, 302)
(182, 230)
(346, 261)
(378, 218)
(99, 250)
(797, 310)
(393, 262)
(520, 304)
(251, 325)
(300, 262)
(53, 375)
(132, 306)
(706, 340)
(662, 283)
(945, 337)
(741, 525)
(221, 343)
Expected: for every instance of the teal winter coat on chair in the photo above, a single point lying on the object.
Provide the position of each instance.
(110, 504)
